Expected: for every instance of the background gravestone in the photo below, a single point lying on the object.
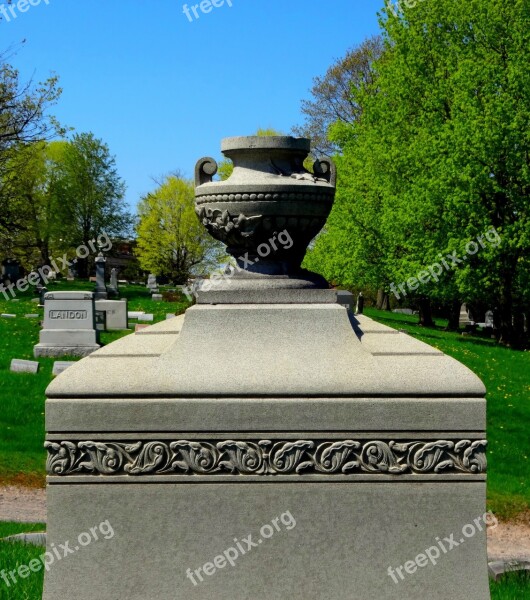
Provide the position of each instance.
(116, 313)
(114, 285)
(101, 288)
(69, 325)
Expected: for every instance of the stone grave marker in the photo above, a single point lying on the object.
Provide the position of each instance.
(114, 286)
(146, 317)
(101, 320)
(69, 325)
(135, 314)
(24, 366)
(345, 298)
(464, 320)
(152, 283)
(116, 311)
(31, 316)
(61, 366)
(101, 292)
(359, 309)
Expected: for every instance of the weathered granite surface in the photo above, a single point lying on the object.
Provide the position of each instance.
(181, 472)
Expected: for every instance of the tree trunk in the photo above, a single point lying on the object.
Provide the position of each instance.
(454, 316)
(510, 332)
(425, 313)
(380, 298)
(386, 302)
(82, 268)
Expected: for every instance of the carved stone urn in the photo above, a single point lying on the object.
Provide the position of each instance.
(269, 209)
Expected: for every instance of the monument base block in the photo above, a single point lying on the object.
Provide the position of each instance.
(298, 453)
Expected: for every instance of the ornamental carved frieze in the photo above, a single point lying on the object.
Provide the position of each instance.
(266, 458)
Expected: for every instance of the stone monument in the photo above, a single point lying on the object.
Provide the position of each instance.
(69, 325)
(116, 311)
(101, 288)
(152, 284)
(268, 444)
(114, 285)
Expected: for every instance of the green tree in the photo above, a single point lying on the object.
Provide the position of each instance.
(171, 241)
(441, 153)
(24, 120)
(90, 194)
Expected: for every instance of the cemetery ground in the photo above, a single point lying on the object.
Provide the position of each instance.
(505, 372)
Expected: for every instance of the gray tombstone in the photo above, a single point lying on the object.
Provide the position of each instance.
(345, 298)
(42, 294)
(116, 313)
(359, 309)
(464, 320)
(114, 285)
(72, 273)
(101, 320)
(69, 325)
(24, 366)
(152, 284)
(271, 445)
(61, 366)
(489, 321)
(101, 288)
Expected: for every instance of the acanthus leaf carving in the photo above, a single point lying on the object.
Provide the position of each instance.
(267, 457)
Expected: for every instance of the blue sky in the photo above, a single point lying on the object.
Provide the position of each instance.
(162, 91)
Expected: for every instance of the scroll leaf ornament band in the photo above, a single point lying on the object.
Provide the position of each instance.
(264, 457)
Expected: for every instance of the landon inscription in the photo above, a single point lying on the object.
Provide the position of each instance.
(69, 315)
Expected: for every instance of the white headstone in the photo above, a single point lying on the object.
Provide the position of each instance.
(464, 319)
(24, 366)
(69, 325)
(135, 314)
(8, 316)
(60, 366)
(116, 311)
(145, 317)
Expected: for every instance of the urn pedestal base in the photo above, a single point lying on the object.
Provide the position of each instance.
(240, 420)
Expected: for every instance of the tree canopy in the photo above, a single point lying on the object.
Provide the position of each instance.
(439, 156)
(172, 242)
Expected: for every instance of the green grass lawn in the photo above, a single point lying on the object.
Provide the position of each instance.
(506, 374)
(22, 395)
(514, 586)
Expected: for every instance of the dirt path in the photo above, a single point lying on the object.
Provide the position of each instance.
(506, 541)
(24, 505)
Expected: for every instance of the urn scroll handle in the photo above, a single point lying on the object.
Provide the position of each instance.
(205, 169)
(326, 169)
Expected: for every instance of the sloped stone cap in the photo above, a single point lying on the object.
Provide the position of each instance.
(68, 296)
(267, 351)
